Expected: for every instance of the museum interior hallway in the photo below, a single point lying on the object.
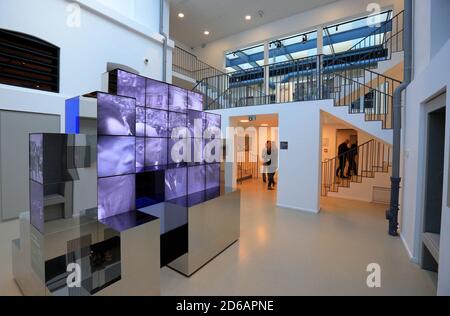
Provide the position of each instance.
(283, 252)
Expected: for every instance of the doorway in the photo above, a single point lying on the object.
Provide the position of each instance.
(434, 183)
(252, 134)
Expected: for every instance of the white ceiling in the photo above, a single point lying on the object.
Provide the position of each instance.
(227, 17)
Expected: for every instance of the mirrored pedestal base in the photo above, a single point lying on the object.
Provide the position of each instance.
(120, 257)
(213, 227)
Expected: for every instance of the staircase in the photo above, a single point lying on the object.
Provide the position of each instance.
(371, 158)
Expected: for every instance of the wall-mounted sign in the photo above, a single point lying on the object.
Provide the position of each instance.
(284, 145)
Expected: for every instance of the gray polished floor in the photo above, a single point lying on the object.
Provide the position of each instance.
(285, 252)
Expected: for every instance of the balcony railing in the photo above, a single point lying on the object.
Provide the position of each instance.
(189, 65)
(307, 79)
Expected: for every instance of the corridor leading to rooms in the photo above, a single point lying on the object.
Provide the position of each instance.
(323, 254)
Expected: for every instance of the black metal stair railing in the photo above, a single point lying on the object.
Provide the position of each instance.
(362, 162)
(248, 166)
(388, 37)
(368, 92)
(189, 65)
(306, 79)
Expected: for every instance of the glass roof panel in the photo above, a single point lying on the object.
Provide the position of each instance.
(245, 66)
(254, 50)
(359, 23)
(278, 59)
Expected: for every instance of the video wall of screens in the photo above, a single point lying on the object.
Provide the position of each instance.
(154, 145)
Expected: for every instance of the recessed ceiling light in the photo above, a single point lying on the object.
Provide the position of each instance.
(245, 121)
(264, 125)
(206, 32)
(181, 15)
(248, 17)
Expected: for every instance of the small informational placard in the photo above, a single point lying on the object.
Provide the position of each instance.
(284, 145)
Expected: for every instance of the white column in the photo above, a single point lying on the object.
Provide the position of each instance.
(266, 69)
(320, 40)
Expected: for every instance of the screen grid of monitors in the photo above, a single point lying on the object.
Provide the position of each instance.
(140, 129)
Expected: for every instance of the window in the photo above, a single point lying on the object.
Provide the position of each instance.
(342, 37)
(245, 58)
(281, 50)
(337, 38)
(28, 62)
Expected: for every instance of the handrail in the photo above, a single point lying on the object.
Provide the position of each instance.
(366, 160)
(382, 29)
(376, 30)
(350, 150)
(188, 64)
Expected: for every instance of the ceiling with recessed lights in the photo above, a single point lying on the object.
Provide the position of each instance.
(223, 18)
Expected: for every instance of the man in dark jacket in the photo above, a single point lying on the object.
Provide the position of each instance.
(342, 157)
(352, 161)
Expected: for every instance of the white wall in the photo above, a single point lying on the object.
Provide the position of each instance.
(431, 81)
(440, 25)
(104, 36)
(139, 10)
(431, 30)
(421, 35)
(299, 167)
(339, 11)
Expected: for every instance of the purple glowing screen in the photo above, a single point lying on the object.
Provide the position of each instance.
(177, 99)
(176, 183)
(140, 122)
(196, 123)
(155, 152)
(116, 115)
(140, 154)
(179, 150)
(131, 85)
(157, 95)
(196, 179)
(37, 205)
(195, 101)
(116, 156)
(116, 195)
(212, 176)
(197, 150)
(177, 125)
(213, 120)
(156, 123)
(37, 157)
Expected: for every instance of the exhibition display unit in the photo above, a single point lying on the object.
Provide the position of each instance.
(141, 191)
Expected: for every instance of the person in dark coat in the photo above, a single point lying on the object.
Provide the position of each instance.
(342, 157)
(352, 158)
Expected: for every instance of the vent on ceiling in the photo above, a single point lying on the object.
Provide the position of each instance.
(28, 62)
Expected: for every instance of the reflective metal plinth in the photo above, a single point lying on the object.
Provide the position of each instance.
(117, 257)
(213, 227)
